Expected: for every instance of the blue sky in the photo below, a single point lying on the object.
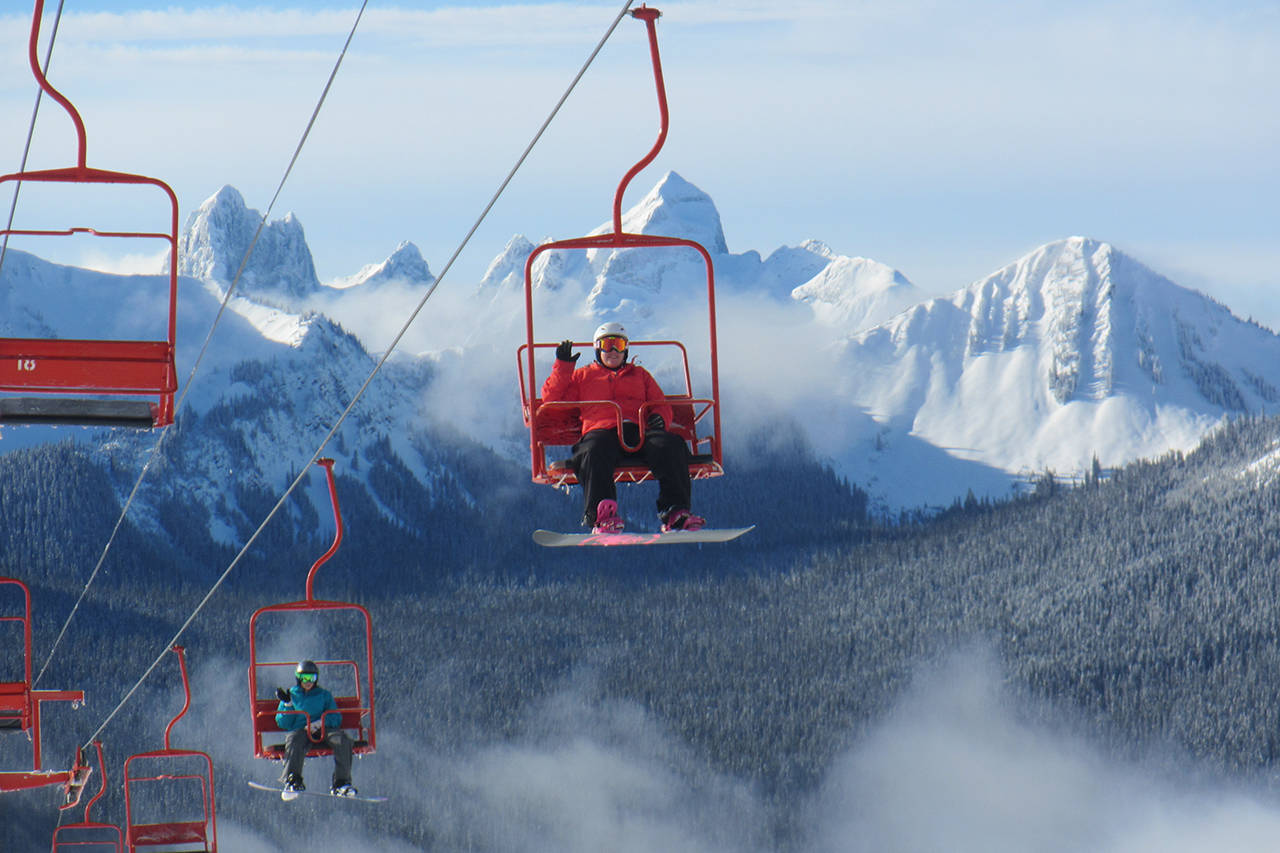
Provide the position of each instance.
(942, 139)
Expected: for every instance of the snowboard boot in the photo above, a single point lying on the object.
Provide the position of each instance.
(607, 518)
(681, 519)
(292, 787)
(343, 789)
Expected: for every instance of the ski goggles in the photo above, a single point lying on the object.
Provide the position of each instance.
(612, 342)
(307, 676)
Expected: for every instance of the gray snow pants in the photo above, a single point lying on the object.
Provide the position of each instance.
(297, 742)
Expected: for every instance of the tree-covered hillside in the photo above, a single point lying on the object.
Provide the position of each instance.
(1141, 607)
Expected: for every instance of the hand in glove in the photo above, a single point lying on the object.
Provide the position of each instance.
(655, 422)
(565, 352)
(283, 695)
(316, 726)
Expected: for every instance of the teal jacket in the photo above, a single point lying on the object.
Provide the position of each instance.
(314, 702)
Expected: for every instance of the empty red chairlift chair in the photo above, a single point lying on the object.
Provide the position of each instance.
(87, 836)
(91, 382)
(168, 794)
(20, 703)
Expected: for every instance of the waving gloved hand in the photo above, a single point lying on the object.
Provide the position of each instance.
(655, 422)
(283, 695)
(565, 352)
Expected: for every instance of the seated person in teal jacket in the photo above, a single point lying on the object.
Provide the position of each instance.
(311, 717)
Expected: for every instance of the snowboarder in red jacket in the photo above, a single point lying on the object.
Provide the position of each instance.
(610, 388)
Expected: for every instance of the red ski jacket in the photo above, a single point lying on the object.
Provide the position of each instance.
(629, 386)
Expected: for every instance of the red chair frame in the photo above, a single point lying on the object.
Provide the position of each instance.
(20, 710)
(559, 425)
(112, 368)
(555, 422)
(86, 829)
(170, 834)
(358, 709)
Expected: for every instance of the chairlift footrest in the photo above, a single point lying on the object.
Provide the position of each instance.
(65, 410)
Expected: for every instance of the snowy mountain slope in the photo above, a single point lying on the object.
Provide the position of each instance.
(270, 386)
(1072, 352)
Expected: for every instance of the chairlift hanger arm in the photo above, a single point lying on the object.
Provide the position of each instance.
(650, 17)
(33, 59)
(327, 464)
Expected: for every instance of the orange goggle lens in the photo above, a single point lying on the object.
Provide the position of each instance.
(612, 342)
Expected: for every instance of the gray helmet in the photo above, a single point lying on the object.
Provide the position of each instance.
(306, 666)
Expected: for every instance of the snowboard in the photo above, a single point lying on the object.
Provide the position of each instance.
(551, 539)
(279, 789)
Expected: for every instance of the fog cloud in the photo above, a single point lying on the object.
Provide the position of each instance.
(957, 766)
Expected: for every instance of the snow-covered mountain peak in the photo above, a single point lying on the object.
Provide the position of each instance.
(217, 235)
(848, 293)
(800, 262)
(676, 208)
(405, 265)
(1106, 323)
(507, 269)
(1075, 351)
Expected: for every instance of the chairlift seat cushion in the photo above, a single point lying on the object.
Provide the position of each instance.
(166, 834)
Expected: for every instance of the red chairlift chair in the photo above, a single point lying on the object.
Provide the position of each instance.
(20, 711)
(264, 675)
(556, 423)
(172, 774)
(90, 382)
(87, 836)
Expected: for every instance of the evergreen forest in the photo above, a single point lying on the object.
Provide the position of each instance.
(1137, 609)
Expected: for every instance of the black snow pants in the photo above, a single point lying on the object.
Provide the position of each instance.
(599, 452)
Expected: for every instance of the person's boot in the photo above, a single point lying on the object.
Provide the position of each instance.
(681, 519)
(607, 518)
(292, 787)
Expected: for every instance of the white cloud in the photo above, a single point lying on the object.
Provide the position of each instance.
(961, 766)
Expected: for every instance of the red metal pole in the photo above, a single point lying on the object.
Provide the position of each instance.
(650, 18)
(34, 59)
(186, 690)
(102, 769)
(337, 520)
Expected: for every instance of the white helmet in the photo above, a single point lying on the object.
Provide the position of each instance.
(607, 329)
